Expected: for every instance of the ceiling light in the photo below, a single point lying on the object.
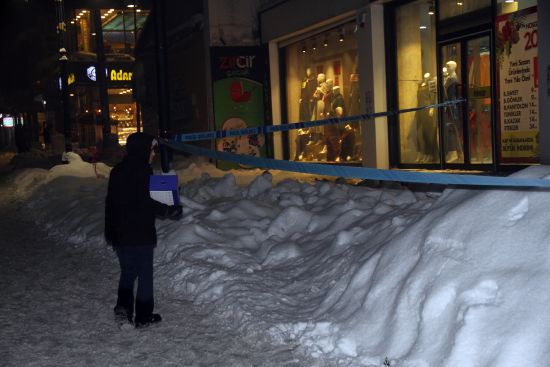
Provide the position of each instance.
(431, 9)
(303, 49)
(325, 42)
(459, 3)
(423, 27)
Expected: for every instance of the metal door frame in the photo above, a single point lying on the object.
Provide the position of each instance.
(463, 42)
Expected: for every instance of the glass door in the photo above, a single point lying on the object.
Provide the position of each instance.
(452, 116)
(467, 127)
(479, 101)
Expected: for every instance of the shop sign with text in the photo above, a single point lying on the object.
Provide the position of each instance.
(238, 88)
(517, 62)
(114, 73)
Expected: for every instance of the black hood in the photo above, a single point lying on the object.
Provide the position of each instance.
(138, 146)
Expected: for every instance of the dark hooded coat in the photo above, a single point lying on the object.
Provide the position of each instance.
(129, 210)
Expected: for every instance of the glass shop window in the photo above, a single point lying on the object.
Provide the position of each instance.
(454, 8)
(122, 111)
(417, 83)
(507, 6)
(322, 82)
(82, 27)
(121, 28)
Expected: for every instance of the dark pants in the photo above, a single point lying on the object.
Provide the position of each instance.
(136, 262)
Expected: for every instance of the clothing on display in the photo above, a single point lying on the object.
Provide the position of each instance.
(354, 95)
(453, 136)
(347, 142)
(306, 96)
(426, 129)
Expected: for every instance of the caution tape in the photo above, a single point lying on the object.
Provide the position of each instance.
(220, 134)
(361, 172)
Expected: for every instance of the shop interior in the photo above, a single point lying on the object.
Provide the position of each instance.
(322, 82)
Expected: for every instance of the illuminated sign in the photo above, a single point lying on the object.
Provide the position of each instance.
(120, 75)
(71, 79)
(115, 75)
(7, 121)
(90, 72)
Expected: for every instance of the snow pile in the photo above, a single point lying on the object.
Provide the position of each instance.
(353, 274)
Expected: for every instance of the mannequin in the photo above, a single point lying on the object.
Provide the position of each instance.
(318, 103)
(337, 102)
(425, 123)
(327, 99)
(453, 136)
(354, 95)
(306, 96)
(347, 142)
(307, 103)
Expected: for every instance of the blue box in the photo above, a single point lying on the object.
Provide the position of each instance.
(164, 188)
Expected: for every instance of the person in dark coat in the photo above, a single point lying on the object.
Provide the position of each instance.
(130, 214)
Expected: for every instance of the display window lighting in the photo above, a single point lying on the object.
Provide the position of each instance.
(510, 1)
(431, 9)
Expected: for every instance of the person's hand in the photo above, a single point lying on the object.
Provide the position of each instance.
(174, 212)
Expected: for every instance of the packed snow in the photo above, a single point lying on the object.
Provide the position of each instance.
(326, 272)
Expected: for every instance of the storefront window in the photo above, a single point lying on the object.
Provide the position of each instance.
(453, 8)
(122, 111)
(82, 25)
(322, 82)
(506, 7)
(417, 82)
(121, 28)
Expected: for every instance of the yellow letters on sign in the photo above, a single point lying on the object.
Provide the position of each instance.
(120, 75)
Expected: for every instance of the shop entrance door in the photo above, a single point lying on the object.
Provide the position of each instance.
(466, 129)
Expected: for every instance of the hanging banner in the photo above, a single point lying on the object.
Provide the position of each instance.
(517, 50)
(238, 92)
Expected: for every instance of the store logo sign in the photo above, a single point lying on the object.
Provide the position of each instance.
(90, 72)
(236, 62)
(120, 75)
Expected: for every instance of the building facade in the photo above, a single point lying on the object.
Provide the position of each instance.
(360, 57)
(338, 59)
(101, 36)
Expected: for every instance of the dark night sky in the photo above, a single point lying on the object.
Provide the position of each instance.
(28, 40)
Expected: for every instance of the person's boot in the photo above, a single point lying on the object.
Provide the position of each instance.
(143, 322)
(122, 316)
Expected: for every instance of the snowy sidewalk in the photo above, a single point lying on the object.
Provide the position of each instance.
(56, 310)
